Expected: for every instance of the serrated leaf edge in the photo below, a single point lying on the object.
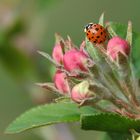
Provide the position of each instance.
(110, 114)
(82, 116)
(34, 126)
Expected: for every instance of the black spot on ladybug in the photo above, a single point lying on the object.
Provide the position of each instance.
(87, 34)
(105, 36)
(92, 37)
(89, 38)
(89, 31)
(100, 41)
(98, 36)
(96, 29)
(94, 41)
(101, 28)
(94, 25)
(101, 33)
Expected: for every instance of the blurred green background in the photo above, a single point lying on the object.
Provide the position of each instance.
(29, 25)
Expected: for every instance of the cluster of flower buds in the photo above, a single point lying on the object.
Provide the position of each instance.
(97, 75)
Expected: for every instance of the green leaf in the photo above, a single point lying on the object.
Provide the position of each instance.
(109, 122)
(117, 136)
(91, 50)
(49, 86)
(129, 33)
(120, 136)
(101, 19)
(48, 114)
(46, 55)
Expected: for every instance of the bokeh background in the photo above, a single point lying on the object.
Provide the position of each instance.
(29, 25)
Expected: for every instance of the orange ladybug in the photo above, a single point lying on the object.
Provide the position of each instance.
(96, 33)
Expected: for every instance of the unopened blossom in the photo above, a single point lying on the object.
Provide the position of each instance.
(61, 83)
(75, 60)
(117, 45)
(81, 92)
(57, 53)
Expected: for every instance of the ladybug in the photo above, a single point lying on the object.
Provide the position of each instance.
(96, 33)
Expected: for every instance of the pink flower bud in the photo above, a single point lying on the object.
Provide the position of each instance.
(75, 60)
(81, 92)
(61, 83)
(57, 53)
(117, 45)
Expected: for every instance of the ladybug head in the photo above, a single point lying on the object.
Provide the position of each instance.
(88, 26)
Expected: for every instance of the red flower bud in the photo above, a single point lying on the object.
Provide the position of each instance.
(117, 45)
(57, 53)
(81, 92)
(61, 83)
(75, 60)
